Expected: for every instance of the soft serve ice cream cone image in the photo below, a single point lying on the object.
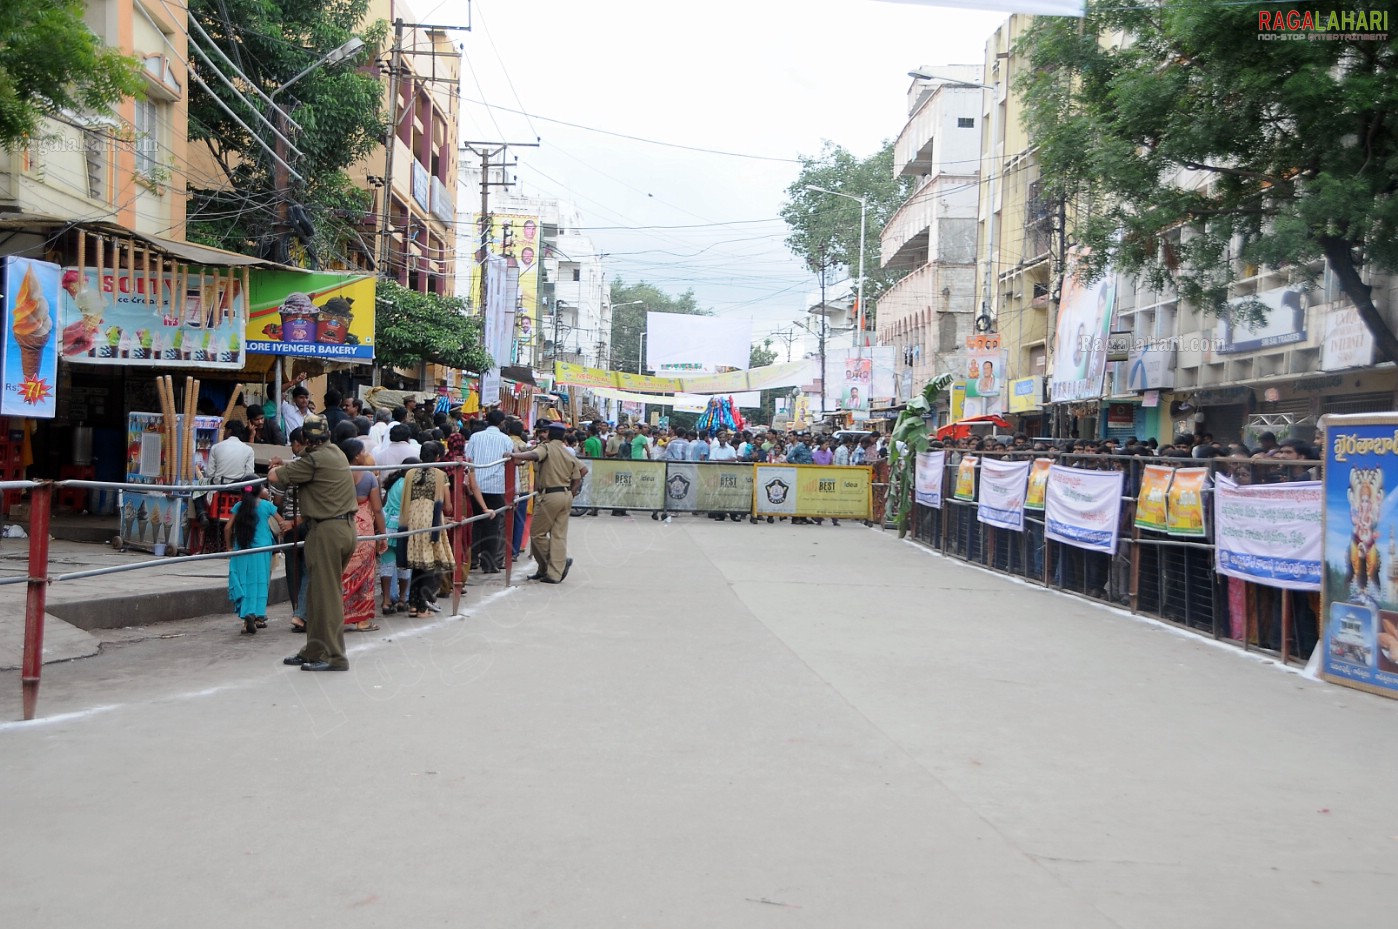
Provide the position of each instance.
(31, 322)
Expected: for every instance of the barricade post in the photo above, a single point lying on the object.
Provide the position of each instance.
(508, 529)
(40, 503)
(460, 539)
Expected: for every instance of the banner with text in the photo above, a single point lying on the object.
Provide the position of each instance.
(277, 325)
(928, 480)
(1083, 508)
(965, 487)
(692, 486)
(623, 484)
(1269, 533)
(813, 490)
(1150, 503)
(1003, 485)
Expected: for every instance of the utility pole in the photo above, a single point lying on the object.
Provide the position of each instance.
(390, 145)
(487, 151)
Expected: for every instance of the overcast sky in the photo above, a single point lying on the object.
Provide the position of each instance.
(768, 78)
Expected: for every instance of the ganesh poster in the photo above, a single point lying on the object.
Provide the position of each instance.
(1360, 581)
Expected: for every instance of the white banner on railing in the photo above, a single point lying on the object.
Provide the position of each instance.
(1002, 493)
(1083, 508)
(1269, 533)
(928, 483)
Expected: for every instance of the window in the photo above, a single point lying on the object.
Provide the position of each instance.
(95, 152)
(965, 122)
(577, 274)
(147, 142)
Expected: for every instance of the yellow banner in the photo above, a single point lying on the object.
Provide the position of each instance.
(646, 383)
(515, 236)
(580, 376)
(966, 480)
(1185, 512)
(1038, 483)
(813, 490)
(623, 484)
(1150, 505)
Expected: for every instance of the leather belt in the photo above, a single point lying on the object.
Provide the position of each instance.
(553, 490)
(329, 518)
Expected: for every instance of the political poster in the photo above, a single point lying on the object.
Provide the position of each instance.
(1360, 580)
(965, 487)
(1083, 508)
(706, 487)
(623, 484)
(30, 362)
(499, 324)
(1038, 483)
(131, 319)
(985, 375)
(292, 313)
(1151, 502)
(1184, 509)
(830, 491)
(928, 474)
(1084, 319)
(516, 238)
(1269, 533)
(1003, 486)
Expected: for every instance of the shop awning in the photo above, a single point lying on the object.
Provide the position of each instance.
(519, 374)
(182, 251)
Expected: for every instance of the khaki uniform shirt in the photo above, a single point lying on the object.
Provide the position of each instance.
(324, 481)
(557, 468)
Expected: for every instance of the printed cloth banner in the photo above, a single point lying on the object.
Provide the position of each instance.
(515, 237)
(680, 343)
(813, 490)
(1083, 508)
(499, 326)
(120, 318)
(708, 488)
(281, 323)
(1150, 504)
(929, 472)
(1360, 594)
(1038, 483)
(623, 484)
(1269, 533)
(965, 488)
(30, 363)
(1003, 486)
(1184, 512)
(793, 374)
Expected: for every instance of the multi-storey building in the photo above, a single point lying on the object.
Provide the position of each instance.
(928, 315)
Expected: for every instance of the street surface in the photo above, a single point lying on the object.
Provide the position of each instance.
(712, 726)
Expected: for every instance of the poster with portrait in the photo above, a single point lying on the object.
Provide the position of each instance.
(856, 384)
(31, 345)
(1080, 346)
(514, 237)
(1184, 502)
(985, 376)
(1360, 582)
(1038, 483)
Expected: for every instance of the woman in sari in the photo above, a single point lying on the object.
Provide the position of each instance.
(251, 526)
(426, 504)
(362, 570)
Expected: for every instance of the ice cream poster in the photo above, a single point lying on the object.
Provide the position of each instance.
(313, 314)
(31, 346)
(1360, 573)
(121, 318)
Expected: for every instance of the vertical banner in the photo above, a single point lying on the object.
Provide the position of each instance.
(498, 308)
(1003, 486)
(1184, 511)
(515, 238)
(1038, 484)
(965, 488)
(1080, 349)
(30, 362)
(1150, 504)
(1083, 508)
(985, 375)
(930, 468)
(1269, 533)
(1360, 583)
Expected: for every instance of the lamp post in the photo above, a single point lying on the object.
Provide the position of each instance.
(988, 300)
(859, 299)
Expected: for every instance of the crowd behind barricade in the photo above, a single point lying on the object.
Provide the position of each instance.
(1151, 571)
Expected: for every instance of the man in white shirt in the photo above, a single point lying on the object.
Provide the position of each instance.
(397, 449)
(378, 433)
(231, 460)
(724, 451)
(490, 445)
(294, 412)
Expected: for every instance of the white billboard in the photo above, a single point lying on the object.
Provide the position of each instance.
(679, 344)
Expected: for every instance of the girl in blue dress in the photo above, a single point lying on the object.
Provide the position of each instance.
(249, 574)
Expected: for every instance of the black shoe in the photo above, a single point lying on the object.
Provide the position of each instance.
(834, 522)
(249, 625)
(295, 660)
(321, 666)
(549, 580)
(655, 515)
(301, 628)
(567, 566)
(536, 577)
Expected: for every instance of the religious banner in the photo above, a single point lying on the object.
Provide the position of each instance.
(831, 491)
(623, 484)
(1269, 533)
(1003, 485)
(705, 487)
(1083, 508)
(965, 488)
(1184, 510)
(30, 351)
(928, 477)
(1150, 504)
(1360, 580)
(292, 313)
(1038, 483)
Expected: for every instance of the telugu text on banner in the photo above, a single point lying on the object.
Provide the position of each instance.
(928, 478)
(1003, 485)
(1083, 508)
(1269, 533)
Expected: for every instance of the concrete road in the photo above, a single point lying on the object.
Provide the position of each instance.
(709, 725)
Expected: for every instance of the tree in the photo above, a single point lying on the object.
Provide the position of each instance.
(825, 228)
(411, 327)
(629, 320)
(51, 62)
(338, 106)
(911, 438)
(761, 356)
(1295, 143)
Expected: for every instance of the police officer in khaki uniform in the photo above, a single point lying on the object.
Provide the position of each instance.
(557, 479)
(325, 496)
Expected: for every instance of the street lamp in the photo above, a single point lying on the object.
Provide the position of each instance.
(987, 295)
(859, 299)
(333, 57)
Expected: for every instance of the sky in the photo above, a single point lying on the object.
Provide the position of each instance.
(767, 80)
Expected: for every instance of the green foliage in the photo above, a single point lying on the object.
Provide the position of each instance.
(910, 438)
(825, 228)
(1295, 142)
(338, 106)
(629, 321)
(50, 61)
(761, 356)
(411, 327)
